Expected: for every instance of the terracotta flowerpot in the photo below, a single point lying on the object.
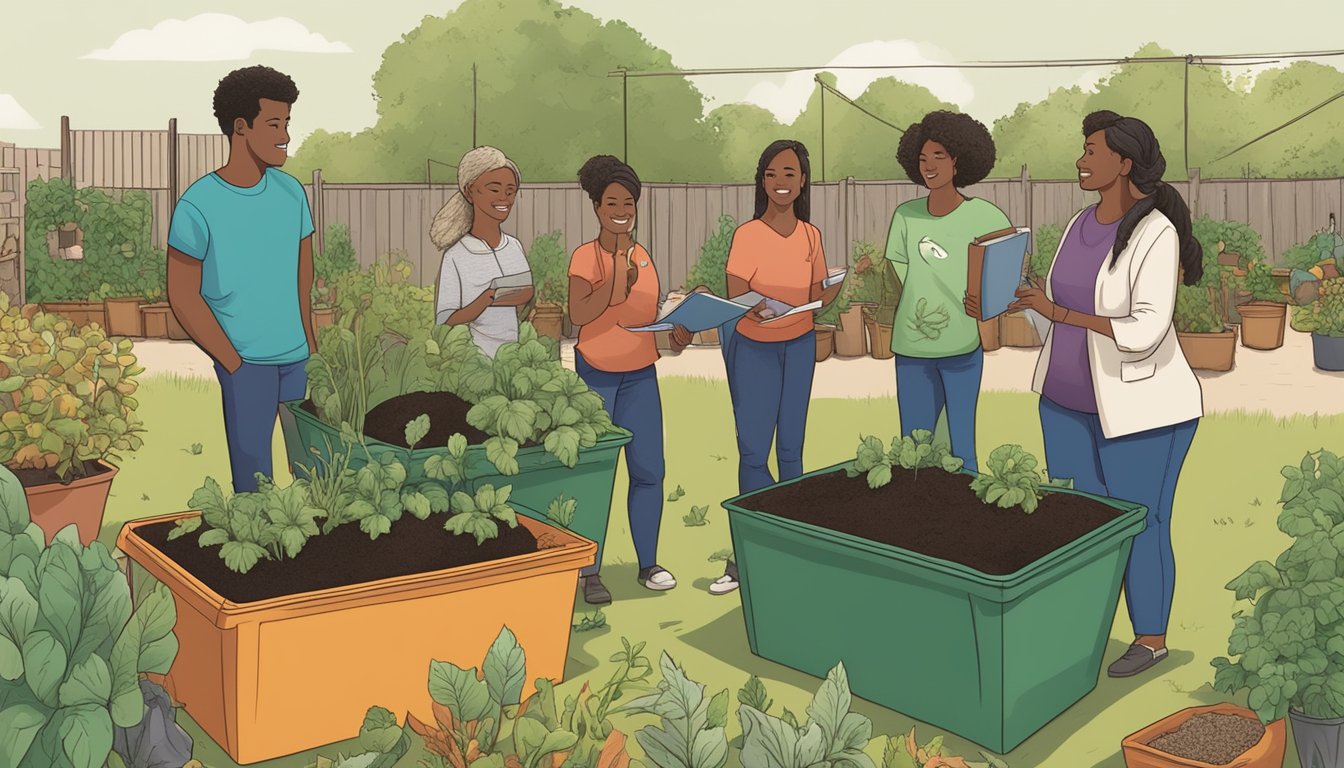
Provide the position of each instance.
(1267, 753)
(1262, 324)
(154, 319)
(81, 313)
(825, 340)
(123, 318)
(175, 330)
(990, 338)
(264, 678)
(850, 338)
(708, 338)
(879, 337)
(53, 506)
(1210, 351)
(1015, 330)
(548, 319)
(323, 317)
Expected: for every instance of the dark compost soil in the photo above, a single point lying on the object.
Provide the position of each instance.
(447, 416)
(345, 556)
(936, 515)
(31, 478)
(1212, 738)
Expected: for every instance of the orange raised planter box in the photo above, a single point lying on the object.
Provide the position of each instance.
(279, 676)
(1267, 753)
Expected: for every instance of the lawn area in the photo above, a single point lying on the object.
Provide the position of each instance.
(1224, 520)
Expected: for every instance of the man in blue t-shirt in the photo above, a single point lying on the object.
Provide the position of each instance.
(240, 269)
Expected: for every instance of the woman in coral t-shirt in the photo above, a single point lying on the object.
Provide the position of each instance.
(613, 285)
(777, 254)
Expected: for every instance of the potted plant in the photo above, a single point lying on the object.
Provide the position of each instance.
(983, 558)
(1323, 318)
(76, 647)
(862, 289)
(825, 335)
(1219, 734)
(1265, 314)
(879, 318)
(1209, 344)
(550, 269)
(323, 304)
(275, 589)
(1290, 646)
(529, 421)
(69, 406)
(710, 270)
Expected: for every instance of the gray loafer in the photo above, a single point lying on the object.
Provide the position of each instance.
(1137, 659)
(595, 592)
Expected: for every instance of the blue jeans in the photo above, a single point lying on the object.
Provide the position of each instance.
(770, 384)
(925, 386)
(1141, 468)
(634, 404)
(252, 398)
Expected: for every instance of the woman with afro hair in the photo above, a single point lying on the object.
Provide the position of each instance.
(613, 285)
(939, 359)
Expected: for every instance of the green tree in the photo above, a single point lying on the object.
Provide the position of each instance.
(742, 131)
(544, 97)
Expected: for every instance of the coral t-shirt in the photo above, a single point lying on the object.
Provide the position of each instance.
(780, 268)
(604, 342)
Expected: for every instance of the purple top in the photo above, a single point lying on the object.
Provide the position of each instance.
(1073, 285)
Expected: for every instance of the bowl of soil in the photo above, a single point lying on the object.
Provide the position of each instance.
(983, 621)
(1222, 735)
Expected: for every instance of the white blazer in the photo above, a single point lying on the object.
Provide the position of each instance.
(1141, 378)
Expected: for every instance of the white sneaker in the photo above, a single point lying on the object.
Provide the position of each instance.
(657, 578)
(723, 585)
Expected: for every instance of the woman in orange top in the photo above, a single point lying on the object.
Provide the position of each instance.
(777, 254)
(613, 285)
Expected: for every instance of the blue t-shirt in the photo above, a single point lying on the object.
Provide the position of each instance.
(247, 239)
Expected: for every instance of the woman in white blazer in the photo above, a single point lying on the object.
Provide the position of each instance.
(1119, 403)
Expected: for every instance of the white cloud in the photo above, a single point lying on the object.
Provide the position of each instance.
(787, 97)
(215, 37)
(14, 117)
(1090, 77)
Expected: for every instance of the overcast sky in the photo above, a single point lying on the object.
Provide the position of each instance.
(133, 65)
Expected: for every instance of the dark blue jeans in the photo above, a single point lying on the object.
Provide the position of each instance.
(1142, 468)
(770, 384)
(925, 386)
(252, 398)
(634, 404)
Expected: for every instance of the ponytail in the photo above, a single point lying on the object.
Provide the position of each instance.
(454, 219)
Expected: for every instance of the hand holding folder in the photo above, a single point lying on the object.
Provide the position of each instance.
(995, 264)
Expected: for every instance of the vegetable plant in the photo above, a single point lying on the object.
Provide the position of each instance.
(696, 517)
(691, 728)
(1325, 315)
(754, 695)
(1217, 236)
(381, 741)
(270, 523)
(1290, 646)
(1043, 250)
(905, 752)
(549, 263)
(561, 510)
(337, 257)
(913, 452)
(385, 297)
(676, 495)
(1198, 310)
(481, 514)
(73, 643)
(1013, 480)
(1259, 283)
(831, 736)
(710, 270)
(68, 393)
(597, 620)
(865, 269)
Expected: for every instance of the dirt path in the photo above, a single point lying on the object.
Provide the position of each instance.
(1283, 381)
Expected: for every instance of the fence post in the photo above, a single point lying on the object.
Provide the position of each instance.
(173, 189)
(66, 173)
(1194, 192)
(846, 207)
(1026, 204)
(319, 223)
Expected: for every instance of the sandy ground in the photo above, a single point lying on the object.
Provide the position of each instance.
(1283, 382)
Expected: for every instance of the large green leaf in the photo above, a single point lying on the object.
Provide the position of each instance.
(18, 616)
(60, 596)
(505, 670)
(14, 517)
(19, 725)
(563, 444)
(459, 690)
(502, 452)
(709, 749)
(44, 665)
(90, 682)
(86, 735)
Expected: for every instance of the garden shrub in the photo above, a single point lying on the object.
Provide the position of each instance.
(710, 269)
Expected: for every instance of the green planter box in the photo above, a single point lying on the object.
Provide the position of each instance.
(540, 476)
(989, 658)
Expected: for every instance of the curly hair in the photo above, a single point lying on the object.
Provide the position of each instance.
(240, 93)
(802, 205)
(602, 171)
(966, 139)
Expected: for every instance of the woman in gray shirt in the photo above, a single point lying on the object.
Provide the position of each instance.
(476, 252)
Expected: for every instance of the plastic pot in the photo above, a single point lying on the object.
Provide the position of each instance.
(323, 317)
(1263, 324)
(825, 340)
(82, 503)
(1267, 753)
(1328, 352)
(1320, 743)
(1210, 351)
(879, 336)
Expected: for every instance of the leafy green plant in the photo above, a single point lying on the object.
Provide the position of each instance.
(73, 643)
(69, 393)
(710, 270)
(913, 452)
(1260, 284)
(597, 620)
(676, 495)
(929, 323)
(905, 752)
(1197, 310)
(561, 511)
(1217, 236)
(721, 556)
(416, 430)
(1325, 315)
(754, 695)
(865, 274)
(481, 514)
(270, 523)
(1045, 245)
(1013, 480)
(379, 496)
(1290, 647)
(337, 257)
(549, 262)
(381, 741)
(691, 729)
(696, 517)
(832, 735)
(385, 298)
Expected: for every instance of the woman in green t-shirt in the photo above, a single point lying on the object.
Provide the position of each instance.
(939, 359)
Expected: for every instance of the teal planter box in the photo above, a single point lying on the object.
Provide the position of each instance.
(541, 477)
(989, 658)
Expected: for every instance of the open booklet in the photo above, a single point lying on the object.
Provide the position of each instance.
(697, 312)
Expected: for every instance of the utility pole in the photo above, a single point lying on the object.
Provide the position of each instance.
(822, 88)
(1185, 121)
(625, 116)
(473, 105)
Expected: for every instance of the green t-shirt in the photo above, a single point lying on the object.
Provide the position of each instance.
(929, 253)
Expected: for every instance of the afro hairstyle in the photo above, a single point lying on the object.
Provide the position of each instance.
(966, 139)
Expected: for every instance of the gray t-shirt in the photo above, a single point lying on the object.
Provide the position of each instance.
(468, 268)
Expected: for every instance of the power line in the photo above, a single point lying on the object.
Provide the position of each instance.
(1281, 127)
(856, 105)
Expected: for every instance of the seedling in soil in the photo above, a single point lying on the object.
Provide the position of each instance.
(722, 556)
(912, 452)
(696, 516)
(677, 494)
(416, 430)
(481, 514)
(1013, 481)
(196, 449)
(589, 623)
(561, 510)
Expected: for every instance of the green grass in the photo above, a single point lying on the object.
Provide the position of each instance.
(1224, 520)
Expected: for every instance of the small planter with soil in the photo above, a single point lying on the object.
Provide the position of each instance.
(123, 317)
(1221, 735)
(825, 341)
(823, 558)
(548, 320)
(850, 337)
(990, 338)
(79, 501)
(1216, 351)
(879, 335)
(269, 624)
